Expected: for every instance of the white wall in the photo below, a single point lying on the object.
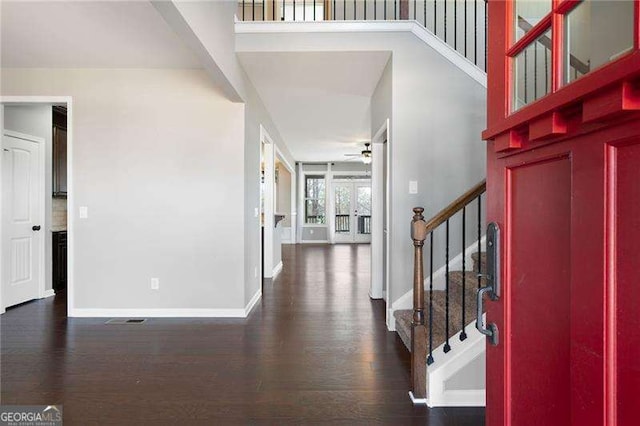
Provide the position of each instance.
(208, 28)
(36, 120)
(158, 158)
(283, 195)
(439, 112)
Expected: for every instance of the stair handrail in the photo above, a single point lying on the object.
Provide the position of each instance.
(421, 345)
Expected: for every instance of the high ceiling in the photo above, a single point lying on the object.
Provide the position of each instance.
(320, 102)
(89, 34)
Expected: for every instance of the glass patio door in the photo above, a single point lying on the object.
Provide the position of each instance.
(352, 205)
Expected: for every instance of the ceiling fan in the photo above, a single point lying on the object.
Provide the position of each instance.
(364, 156)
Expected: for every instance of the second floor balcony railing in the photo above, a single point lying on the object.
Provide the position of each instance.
(460, 23)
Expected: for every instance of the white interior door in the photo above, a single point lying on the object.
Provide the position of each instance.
(22, 218)
(352, 217)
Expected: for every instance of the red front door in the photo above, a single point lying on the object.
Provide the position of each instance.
(563, 185)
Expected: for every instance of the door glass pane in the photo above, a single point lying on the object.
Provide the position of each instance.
(528, 13)
(532, 72)
(343, 209)
(364, 209)
(597, 32)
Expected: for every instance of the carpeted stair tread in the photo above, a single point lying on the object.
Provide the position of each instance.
(404, 317)
(479, 257)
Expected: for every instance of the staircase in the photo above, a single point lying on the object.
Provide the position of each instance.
(457, 281)
(447, 364)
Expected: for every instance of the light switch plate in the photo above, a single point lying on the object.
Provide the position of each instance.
(413, 187)
(84, 212)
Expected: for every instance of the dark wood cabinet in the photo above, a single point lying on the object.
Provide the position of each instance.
(59, 261)
(59, 152)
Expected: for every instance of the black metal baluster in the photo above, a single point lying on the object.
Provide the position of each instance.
(253, 10)
(334, 10)
(424, 10)
(344, 10)
(395, 9)
(355, 11)
(445, 21)
(475, 32)
(364, 5)
(546, 71)
(463, 334)
(430, 357)
(479, 239)
(304, 10)
(273, 10)
(264, 5)
(465, 29)
(415, 10)
(314, 10)
(375, 11)
(535, 71)
(294, 9)
(485, 34)
(243, 7)
(455, 24)
(284, 12)
(385, 10)
(526, 101)
(447, 347)
(435, 15)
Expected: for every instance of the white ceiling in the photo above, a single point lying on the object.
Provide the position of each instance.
(88, 34)
(320, 101)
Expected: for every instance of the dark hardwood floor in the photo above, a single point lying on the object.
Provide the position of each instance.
(314, 350)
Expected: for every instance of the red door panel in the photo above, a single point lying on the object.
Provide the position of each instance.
(626, 280)
(540, 290)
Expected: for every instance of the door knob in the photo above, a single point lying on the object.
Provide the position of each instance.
(35, 227)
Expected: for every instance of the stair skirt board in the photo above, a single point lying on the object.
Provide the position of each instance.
(445, 367)
(439, 280)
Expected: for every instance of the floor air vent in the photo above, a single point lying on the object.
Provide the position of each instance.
(126, 321)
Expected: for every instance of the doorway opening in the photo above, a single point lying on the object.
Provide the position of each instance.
(33, 197)
(352, 210)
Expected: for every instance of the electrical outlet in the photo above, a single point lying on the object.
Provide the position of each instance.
(83, 212)
(155, 283)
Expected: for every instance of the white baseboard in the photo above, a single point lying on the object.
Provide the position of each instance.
(157, 313)
(48, 293)
(417, 401)
(459, 398)
(253, 302)
(445, 366)
(314, 242)
(276, 270)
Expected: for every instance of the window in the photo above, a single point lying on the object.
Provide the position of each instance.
(314, 200)
(595, 32)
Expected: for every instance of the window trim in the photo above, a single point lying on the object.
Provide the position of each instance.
(554, 21)
(314, 175)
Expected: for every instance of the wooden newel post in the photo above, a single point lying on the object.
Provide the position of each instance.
(418, 328)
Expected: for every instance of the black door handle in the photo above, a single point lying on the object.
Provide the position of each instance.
(35, 228)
